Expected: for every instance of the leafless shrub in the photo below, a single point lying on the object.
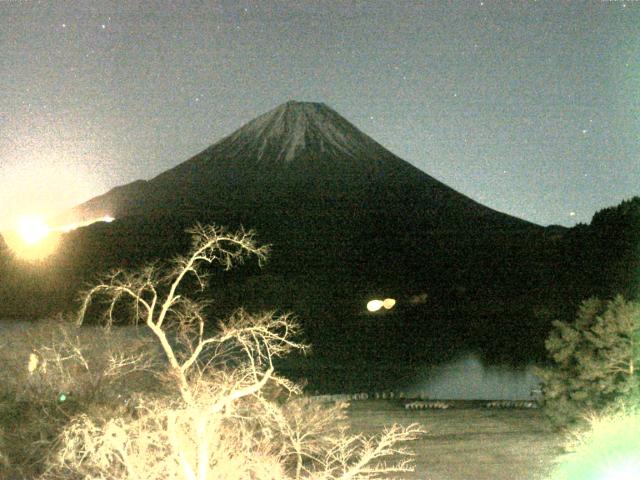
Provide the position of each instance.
(230, 415)
(66, 359)
(54, 370)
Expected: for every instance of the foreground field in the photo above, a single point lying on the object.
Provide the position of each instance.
(460, 444)
(468, 443)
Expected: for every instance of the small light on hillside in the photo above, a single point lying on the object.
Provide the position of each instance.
(73, 226)
(389, 303)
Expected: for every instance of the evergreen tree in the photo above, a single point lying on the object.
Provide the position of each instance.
(595, 359)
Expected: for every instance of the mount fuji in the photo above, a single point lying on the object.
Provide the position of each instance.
(302, 155)
(347, 220)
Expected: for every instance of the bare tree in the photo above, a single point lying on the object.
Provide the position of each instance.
(233, 417)
(144, 289)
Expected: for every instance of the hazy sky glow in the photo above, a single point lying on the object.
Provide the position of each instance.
(529, 108)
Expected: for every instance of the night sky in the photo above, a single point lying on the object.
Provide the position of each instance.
(530, 108)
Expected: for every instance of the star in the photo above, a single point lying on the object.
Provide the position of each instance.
(572, 214)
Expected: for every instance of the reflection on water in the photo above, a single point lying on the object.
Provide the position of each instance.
(463, 378)
(468, 379)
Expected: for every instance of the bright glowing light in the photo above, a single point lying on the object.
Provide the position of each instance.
(46, 176)
(389, 303)
(374, 305)
(33, 229)
(33, 239)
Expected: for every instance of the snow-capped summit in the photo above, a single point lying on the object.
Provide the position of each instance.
(295, 125)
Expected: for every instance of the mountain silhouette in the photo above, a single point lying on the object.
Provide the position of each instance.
(301, 155)
(348, 221)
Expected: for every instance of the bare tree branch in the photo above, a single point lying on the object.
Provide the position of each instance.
(234, 417)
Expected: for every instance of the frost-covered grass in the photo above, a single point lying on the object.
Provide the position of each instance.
(461, 443)
(469, 443)
(46, 435)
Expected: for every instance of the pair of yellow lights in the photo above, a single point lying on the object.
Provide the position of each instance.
(375, 305)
